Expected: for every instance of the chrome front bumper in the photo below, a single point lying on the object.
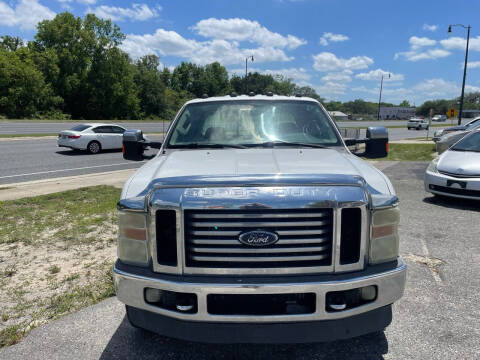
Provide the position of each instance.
(390, 286)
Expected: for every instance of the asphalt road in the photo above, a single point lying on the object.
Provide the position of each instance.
(35, 159)
(438, 317)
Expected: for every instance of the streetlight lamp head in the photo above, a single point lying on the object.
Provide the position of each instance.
(450, 28)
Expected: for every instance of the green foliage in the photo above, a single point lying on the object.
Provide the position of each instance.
(23, 90)
(74, 68)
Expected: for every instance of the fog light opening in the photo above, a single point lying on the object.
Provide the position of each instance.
(368, 293)
(173, 301)
(349, 299)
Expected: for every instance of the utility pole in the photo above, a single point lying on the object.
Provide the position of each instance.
(380, 98)
(246, 72)
(464, 69)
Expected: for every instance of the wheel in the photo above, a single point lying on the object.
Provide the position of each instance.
(408, 128)
(94, 147)
(426, 128)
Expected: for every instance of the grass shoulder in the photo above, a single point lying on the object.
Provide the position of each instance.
(56, 256)
(410, 152)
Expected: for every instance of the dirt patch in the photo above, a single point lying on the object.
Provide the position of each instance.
(53, 262)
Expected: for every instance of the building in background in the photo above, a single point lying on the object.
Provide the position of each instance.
(470, 114)
(338, 115)
(396, 112)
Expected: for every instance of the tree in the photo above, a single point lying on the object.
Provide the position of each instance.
(309, 92)
(216, 79)
(405, 103)
(23, 91)
(111, 87)
(10, 43)
(76, 43)
(150, 85)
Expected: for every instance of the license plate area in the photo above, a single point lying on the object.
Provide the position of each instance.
(261, 304)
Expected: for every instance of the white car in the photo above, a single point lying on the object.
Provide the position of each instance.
(456, 172)
(439, 118)
(417, 124)
(92, 137)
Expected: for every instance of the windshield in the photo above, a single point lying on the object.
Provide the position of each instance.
(470, 142)
(80, 127)
(473, 125)
(250, 123)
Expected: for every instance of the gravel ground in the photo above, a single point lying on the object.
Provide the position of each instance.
(438, 317)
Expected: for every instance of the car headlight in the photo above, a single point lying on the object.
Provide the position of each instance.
(384, 235)
(432, 167)
(132, 238)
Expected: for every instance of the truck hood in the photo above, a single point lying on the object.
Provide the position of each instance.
(245, 162)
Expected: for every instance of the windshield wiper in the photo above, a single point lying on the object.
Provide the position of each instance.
(197, 145)
(289, 143)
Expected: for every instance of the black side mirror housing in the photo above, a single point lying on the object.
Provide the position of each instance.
(134, 145)
(376, 145)
(376, 142)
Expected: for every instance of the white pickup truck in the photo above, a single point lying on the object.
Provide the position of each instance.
(254, 223)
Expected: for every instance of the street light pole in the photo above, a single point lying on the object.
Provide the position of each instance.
(380, 98)
(246, 73)
(464, 69)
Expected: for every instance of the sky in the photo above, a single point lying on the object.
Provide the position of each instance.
(341, 48)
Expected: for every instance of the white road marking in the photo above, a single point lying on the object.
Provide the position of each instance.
(61, 170)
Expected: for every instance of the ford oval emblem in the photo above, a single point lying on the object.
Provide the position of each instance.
(258, 238)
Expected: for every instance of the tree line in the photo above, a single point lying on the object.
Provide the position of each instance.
(74, 68)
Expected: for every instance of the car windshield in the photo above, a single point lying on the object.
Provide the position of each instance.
(252, 123)
(473, 125)
(80, 127)
(470, 142)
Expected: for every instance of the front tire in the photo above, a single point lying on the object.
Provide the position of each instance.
(94, 147)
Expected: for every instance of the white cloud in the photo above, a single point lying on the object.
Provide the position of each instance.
(26, 14)
(473, 64)
(418, 42)
(339, 77)
(138, 12)
(417, 51)
(458, 43)
(170, 43)
(427, 27)
(245, 30)
(429, 89)
(326, 61)
(377, 74)
(330, 37)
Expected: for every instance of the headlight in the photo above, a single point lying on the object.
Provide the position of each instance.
(384, 237)
(432, 167)
(132, 238)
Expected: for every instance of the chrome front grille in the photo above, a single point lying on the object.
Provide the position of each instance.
(212, 238)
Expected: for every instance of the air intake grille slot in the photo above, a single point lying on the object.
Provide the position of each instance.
(212, 238)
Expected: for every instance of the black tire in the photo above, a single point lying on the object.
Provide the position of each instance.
(94, 147)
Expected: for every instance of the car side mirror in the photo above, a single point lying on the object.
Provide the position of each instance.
(376, 145)
(134, 145)
(376, 142)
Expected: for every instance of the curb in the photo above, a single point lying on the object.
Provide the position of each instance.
(21, 190)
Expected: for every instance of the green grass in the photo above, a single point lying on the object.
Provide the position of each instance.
(9, 136)
(410, 152)
(83, 209)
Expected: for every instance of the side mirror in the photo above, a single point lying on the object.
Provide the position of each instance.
(134, 145)
(376, 145)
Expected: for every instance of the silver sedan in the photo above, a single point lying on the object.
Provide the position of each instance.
(457, 171)
(92, 137)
